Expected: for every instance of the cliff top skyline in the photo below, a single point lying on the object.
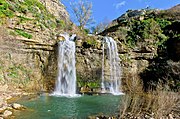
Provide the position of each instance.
(108, 10)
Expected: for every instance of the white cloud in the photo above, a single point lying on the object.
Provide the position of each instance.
(118, 5)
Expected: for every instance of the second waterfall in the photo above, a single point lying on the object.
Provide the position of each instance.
(111, 70)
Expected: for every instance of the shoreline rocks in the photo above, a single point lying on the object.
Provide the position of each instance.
(7, 109)
(7, 113)
(17, 106)
(7, 102)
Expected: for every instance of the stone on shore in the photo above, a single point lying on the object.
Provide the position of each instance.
(1, 102)
(7, 113)
(2, 109)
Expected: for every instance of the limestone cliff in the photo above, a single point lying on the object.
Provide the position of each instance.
(28, 45)
(28, 38)
(148, 45)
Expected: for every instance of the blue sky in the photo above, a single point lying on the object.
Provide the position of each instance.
(107, 10)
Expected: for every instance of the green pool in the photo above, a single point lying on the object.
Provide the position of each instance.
(51, 107)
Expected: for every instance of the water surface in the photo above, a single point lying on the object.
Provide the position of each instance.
(51, 107)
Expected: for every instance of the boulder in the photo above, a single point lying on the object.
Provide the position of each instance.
(17, 106)
(7, 113)
(4, 88)
(171, 116)
(2, 109)
(1, 101)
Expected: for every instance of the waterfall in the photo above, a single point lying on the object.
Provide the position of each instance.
(102, 83)
(66, 79)
(112, 82)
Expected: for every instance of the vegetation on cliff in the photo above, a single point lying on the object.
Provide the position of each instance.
(27, 18)
(149, 46)
(151, 32)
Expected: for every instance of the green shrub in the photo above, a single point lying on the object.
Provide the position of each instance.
(89, 84)
(91, 42)
(34, 3)
(9, 13)
(144, 29)
(13, 72)
(23, 33)
(162, 22)
(131, 39)
(93, 84)
(161, 43)
(60, 23)
(4, 9)
(24, 19)
(38, 10)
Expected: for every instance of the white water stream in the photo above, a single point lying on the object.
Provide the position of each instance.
(66, 79)
(112, 82)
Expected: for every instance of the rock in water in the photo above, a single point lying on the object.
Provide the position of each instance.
(17, 106)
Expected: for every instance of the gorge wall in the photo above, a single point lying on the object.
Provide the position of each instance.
(28, 41)
(148, 46)
(29, 36)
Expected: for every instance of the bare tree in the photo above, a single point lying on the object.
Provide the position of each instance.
(100, 27)
(83, 12)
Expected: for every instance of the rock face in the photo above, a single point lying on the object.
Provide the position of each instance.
(28, 44)
(1, 101)
(28, 50)
(56, 8)
(148, 53)
(23, 62)
(88, 65)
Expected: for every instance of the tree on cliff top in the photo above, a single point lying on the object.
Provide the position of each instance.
(82, 11)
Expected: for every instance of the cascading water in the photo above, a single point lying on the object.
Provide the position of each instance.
(66, 79)
(111, 83)
(102, 83)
